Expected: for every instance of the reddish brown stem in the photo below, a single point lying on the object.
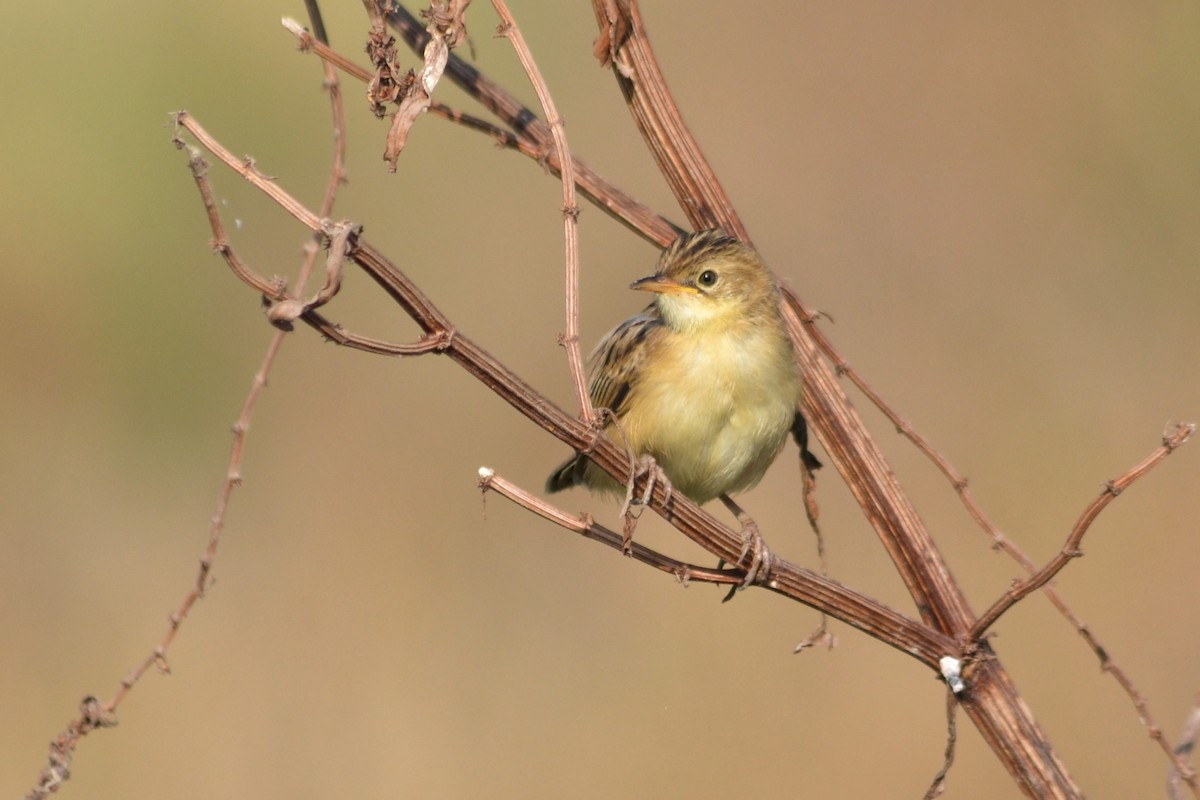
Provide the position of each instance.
(1070, 549)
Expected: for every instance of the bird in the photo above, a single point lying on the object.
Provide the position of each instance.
(702, 384)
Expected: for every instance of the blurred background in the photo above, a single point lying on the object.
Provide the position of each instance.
(1000, 207)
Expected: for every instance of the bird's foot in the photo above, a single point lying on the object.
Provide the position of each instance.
(755, 554)
(645, 465)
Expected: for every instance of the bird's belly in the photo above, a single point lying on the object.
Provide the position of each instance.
(714, 428)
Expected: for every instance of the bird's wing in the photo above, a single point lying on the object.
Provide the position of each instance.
(616, 361)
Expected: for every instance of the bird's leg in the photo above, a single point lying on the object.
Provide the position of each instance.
(644, 465)
(752, 545)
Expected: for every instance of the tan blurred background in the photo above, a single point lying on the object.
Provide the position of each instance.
(999, 207)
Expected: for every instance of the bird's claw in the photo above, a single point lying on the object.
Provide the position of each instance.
(760, 556)
(647, 466)
(754, 548)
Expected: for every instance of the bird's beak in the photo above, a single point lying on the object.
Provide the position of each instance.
(662, 285)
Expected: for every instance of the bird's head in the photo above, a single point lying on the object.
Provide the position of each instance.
(710, 279)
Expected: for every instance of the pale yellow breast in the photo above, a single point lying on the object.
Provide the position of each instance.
(715, 409)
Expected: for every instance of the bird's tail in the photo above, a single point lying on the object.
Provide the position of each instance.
(568, 474)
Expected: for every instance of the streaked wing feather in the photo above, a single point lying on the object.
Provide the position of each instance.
(617, 359)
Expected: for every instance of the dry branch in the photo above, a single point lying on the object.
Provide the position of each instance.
(685, 573)
(562, 154)
(797, 583)
(529, 136)
(947, 626)
(1006, 545)
(991, 700)
(1070, 549)
(93, 713)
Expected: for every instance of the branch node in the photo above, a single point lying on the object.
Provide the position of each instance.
(443, 340)
(94, 715)
(283, 314)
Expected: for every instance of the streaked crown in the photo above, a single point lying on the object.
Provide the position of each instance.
(720, 277)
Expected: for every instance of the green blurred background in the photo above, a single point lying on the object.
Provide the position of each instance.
(999, 207)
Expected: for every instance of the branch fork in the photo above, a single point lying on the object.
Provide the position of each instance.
(947, 639)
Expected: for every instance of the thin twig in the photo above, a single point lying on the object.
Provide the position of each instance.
(94, 714)
(636, 216)
(570, 340)
(284, 309)
(938, 785)
(308, 43)
(247, 169)
(1070, 549)
(529, 135)
(684, 572)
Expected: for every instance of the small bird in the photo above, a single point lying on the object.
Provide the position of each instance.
(703, 381)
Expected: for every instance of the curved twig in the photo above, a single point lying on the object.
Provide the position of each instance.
(1070, 549)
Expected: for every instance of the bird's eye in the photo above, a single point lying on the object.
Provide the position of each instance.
(707, 278)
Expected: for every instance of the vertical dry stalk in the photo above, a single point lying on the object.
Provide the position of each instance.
(992, 701)
(570, 340)
(947, 627)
